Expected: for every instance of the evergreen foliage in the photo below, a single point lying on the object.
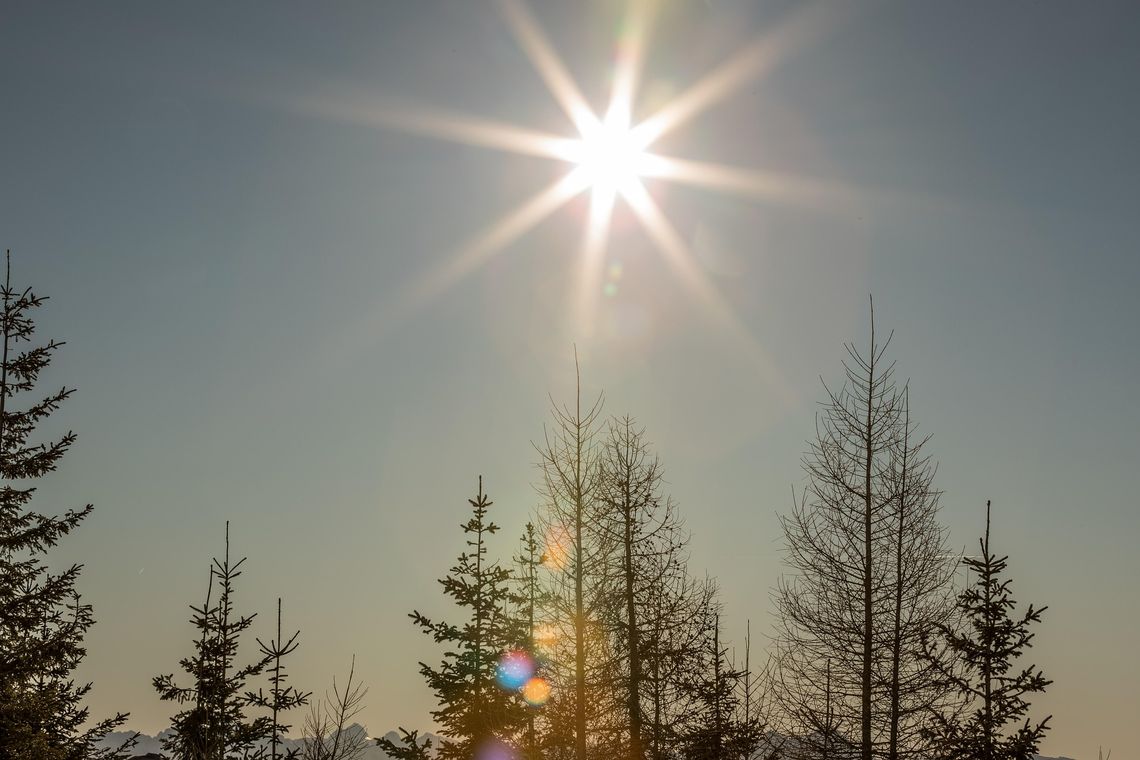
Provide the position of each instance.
(410, 747)
(527, 598)
(978, 663)
(43, 620)
(214, 725)
(715, 728)
(473, 709)
(281, 697)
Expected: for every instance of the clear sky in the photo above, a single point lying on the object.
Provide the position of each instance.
(215, 199)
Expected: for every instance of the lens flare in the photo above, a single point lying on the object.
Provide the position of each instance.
(514, 670)
(536, 691)
(495, 749)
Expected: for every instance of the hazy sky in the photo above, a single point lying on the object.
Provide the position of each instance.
(223, 249)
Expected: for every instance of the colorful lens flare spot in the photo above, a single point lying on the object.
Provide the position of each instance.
(493, 749)
(514, 670)
(536, 692)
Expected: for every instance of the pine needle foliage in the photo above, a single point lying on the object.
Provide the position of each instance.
(214, 725)
(43, 620)
(281, 697)
(978, 663)
(474, 710)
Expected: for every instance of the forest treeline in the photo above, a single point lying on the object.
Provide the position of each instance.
(596, 639)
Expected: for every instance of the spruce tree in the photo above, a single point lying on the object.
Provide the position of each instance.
(527, 598)
(977, 662)
(214, 725)
(410, 746)
(42, 618)
(280, 697)
(474, 711)
(716, 728)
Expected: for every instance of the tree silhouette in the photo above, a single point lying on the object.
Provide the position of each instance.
(978, 664)
(42, 618)
(649, 558)
(527, 598)
(870, 572)
(410, 747)
(569, 458)
(473, 709)
(328, 733)
(215, 726)
(280, 697)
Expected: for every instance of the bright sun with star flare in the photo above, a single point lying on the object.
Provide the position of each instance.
(609, 155)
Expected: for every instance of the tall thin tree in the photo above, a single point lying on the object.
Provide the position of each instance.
(569, 459)
(870, 572)
(281, 696)
(217, 726)
(43, 619)
(650, 545)
(473, 710)
(527, 599)
(978, 663)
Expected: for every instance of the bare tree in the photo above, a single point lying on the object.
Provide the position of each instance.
(650, 545)
(870, 572)
(569, 460)
(922, 588)
(329, 732)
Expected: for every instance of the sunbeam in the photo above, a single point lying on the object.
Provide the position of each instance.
(751, 62)
(773, 187)
(548, 64)
(676, 254)
(501, 234)
(610, 157)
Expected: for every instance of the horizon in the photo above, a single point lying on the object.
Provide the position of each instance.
(271, 249)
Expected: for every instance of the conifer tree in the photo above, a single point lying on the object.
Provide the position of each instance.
(978, 663)
(714, 729)
(474, 710)
(527, 598)
(410, 746)
(215, 726)
(280, 697)
(42, 618)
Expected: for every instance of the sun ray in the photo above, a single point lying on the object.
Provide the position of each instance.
(767, 186)
(676, 254)
(630, 57)
(609, 157)
(501, 234)
(751, 62)
(548, 64)
(446, 125)
(592, 256)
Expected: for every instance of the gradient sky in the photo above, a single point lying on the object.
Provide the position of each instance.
(222, 256)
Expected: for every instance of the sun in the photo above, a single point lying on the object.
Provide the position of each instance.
(610, 158)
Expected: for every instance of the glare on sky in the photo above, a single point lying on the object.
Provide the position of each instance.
(609, 154)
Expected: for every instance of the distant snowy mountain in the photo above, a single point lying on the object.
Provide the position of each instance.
(152, 745)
